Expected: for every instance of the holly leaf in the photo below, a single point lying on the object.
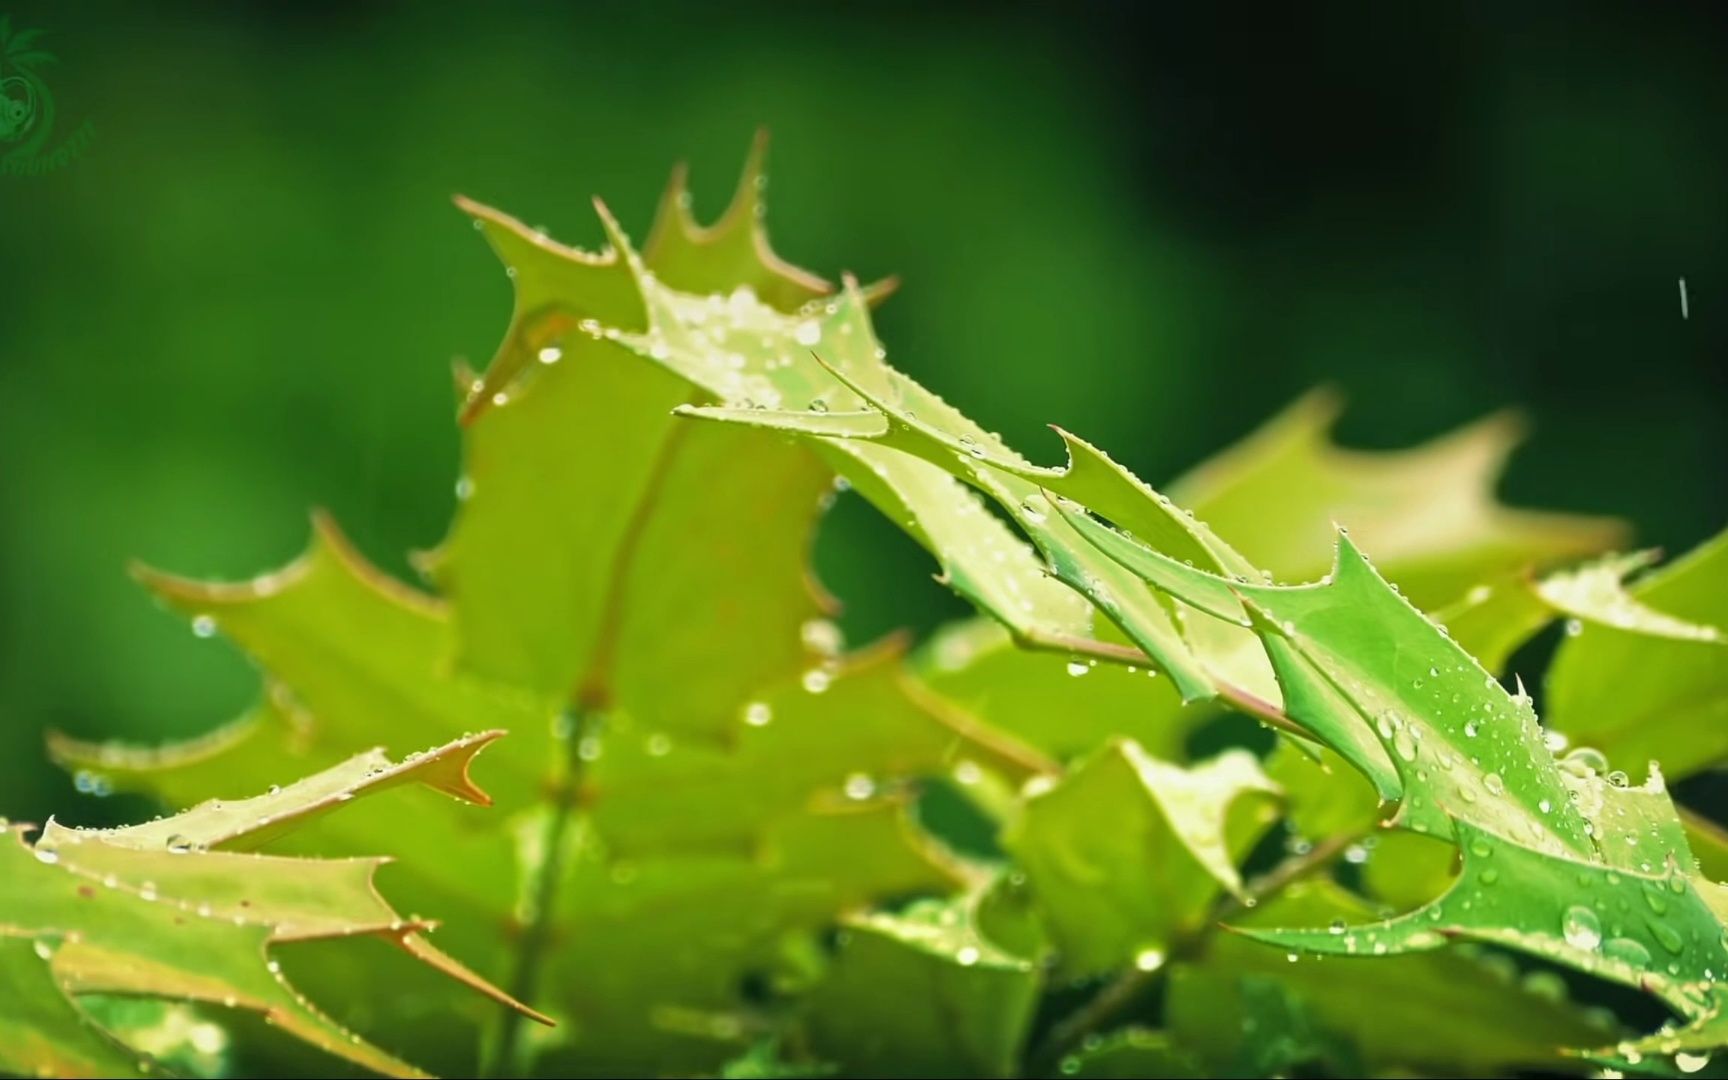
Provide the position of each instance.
(1428, 512)
(1121, 895)
(43, 1032)
(923, 992)
(1360, 666)
(699, 773)
(1063, 706)
(154, 910)
(1494, 618)
(1383, 1008)
(1656, 931)
(1639, 696)
(1574, 847)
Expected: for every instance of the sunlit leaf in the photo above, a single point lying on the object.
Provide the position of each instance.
(151, 910)
(1428, 513)
(1638, 697)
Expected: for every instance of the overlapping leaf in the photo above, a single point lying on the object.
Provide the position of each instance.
(1640, 696)
(1574, 848)
(171, 909)
(1209, 657)
(924, 993)
(1386, 1008)
(1428, 513)
(1122, 895)
(628, 593)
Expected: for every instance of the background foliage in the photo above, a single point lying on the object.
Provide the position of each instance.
(243, 301)
(317, 331)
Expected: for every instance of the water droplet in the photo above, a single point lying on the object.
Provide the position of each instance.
(1581, 928)
(46, 855)
(464, 488)
(1078, 668)
(1494, 784)
(92, 783)
(859, 786)
(659, 745)
(1149, 959)
(1583, 763)
(816, 680)
(1574, 627)
(1339, 926)
(967, 956)
(43, 950)
(179, 845)
(1618, 778)
(1688, 1062)
(822, 636)
(809, 332)
(1667, 935)
(203, 626)
(551, 354)
(758, 714)
(1405, 745)
(1627, 951)
(1471, 729)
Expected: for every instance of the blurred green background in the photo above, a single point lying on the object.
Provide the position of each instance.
(1154, 227)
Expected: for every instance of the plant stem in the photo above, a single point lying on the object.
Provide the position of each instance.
(506, 1054)
(1230, 694)
(1286, 873)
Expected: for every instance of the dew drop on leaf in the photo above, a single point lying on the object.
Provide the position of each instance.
(1581, 928)
(1667, 935)
(1405, 745)
(1627, 951)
